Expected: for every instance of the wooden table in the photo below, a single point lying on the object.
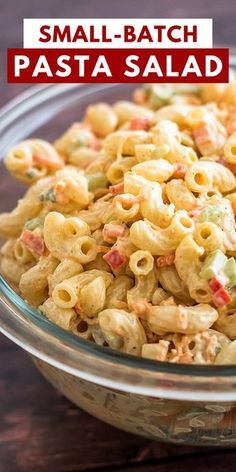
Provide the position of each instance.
(39, 429)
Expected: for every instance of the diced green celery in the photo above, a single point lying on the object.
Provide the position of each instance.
(213, 264)
(230, 271)
(210, 213)
(97, 180)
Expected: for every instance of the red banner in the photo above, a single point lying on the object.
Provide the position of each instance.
(118, 65)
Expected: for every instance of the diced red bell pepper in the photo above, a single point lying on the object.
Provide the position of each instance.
(164, 261)
(33, 242)
(117, 189)
(221, 297)
(217, 282)
(139, 123)
(115, 259)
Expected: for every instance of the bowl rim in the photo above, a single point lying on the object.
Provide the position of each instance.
(193, 381)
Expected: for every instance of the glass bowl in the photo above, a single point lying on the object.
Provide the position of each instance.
(178, 403)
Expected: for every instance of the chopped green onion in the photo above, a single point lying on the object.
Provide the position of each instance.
(96, 181)
(213, 264)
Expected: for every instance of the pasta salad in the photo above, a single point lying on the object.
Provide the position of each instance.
(126, 235)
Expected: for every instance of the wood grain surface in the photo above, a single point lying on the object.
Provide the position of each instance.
(40, 430)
